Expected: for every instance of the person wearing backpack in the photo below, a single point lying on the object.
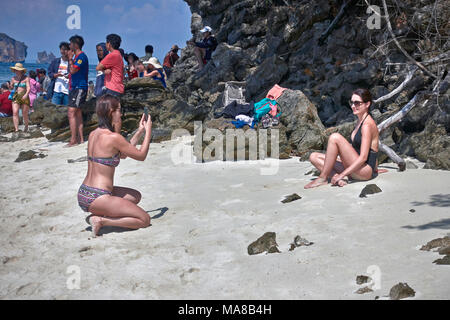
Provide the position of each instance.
(204, 49)
(170, 59)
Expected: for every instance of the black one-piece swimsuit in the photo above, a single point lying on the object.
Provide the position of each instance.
(372, 157)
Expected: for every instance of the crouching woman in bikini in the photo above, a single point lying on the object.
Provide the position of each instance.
(343, 159)
(111, 205)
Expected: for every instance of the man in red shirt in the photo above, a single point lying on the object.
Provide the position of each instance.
(113, 66)
(5, 103)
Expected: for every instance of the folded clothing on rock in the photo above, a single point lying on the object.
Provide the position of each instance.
(234, 109)
(275, 92)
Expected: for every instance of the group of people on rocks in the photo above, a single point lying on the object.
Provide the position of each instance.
(67, 80)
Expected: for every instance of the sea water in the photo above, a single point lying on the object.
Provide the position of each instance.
(6, 74)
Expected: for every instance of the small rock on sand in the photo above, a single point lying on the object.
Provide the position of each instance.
(28, 155)
(291, 198)
(364, 290)
(436, 243)
(369, 189)
(265, 243)
(444, 260)
(298, 242)
(363, 279)
(401, 291)
(444, 250)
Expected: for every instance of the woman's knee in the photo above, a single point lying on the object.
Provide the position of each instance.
(335, 137)
(313, 157)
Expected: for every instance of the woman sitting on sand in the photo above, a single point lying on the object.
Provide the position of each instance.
(357, 159)
(20, 83)
(110, 205)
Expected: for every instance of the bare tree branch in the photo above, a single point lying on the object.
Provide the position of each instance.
(400, 47)
(399, 88)
(411, 104)
(393, 156)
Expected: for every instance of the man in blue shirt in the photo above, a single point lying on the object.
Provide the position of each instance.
(78, 86)
(204, 48)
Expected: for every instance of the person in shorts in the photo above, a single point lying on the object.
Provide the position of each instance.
(78, 86)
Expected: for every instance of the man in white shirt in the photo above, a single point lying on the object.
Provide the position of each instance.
(61, 77)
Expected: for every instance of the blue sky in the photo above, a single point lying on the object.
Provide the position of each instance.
(41, 25)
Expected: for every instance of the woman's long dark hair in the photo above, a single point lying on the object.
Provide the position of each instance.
(105, 106)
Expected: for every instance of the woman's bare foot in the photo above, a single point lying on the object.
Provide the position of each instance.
(96, 224)
(70, 145)
(316, 183)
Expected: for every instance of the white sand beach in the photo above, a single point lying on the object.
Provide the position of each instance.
(204, 218)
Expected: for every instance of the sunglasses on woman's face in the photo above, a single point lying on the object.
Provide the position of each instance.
(356, 103)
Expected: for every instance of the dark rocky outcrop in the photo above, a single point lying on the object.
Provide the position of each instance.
(167, 113)
(12, 50)
(262, 43)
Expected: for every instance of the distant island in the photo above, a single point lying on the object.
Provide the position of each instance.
(43, 57)
(12, 50)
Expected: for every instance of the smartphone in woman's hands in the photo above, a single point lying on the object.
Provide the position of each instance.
(146, 113)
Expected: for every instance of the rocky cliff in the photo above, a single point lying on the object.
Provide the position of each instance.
(321, 51)
(291, 43)
(43, 57)
(12, 50)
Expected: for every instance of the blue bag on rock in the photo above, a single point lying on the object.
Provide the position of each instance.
(263, 107)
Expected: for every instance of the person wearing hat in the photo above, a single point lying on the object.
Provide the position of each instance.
(155, 70)
(20, 83)
(170, 59)
(204, 49)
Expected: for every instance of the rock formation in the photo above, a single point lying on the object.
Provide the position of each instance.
(12, 50)
(43, 57)
(267, 42)
(291, 43)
